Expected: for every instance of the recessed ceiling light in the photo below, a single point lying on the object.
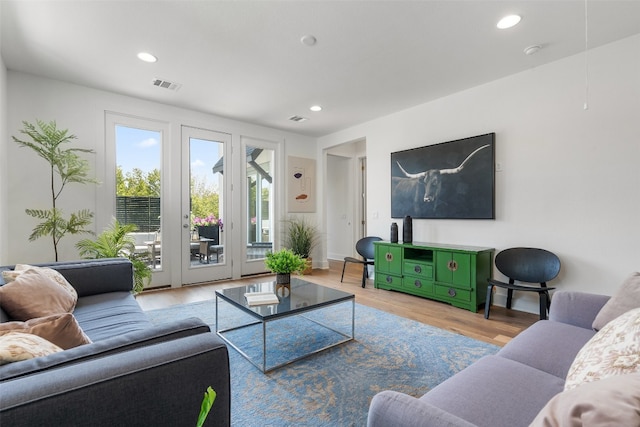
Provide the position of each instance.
(315, 108)
(531, 50)
(509, 21)
(147, 57)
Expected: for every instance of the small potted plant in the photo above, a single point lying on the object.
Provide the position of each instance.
(283, 263)
(301, 237)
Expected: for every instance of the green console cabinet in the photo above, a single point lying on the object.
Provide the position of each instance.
(450, 273)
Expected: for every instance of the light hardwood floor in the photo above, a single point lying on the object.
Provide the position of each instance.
(499, 329)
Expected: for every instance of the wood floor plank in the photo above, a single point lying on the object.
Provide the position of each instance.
(499, 329)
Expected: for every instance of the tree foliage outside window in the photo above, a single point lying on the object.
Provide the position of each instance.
(205, 199)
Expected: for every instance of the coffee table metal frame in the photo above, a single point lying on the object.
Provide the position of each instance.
(298, 311)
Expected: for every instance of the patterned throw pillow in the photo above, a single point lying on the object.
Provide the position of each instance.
(614, 350)
(625, 299)
(60, 329)
(56, 276)
(33, 295)
(17, 346)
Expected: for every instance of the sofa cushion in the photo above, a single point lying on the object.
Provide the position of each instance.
(10, 275)
(18, 346)
(125, 342)
(626, 298)
(32, 295)
(614, 350)
(60, 329)
(614, 401)
(495, 392)
(111, 314)
(547, 345)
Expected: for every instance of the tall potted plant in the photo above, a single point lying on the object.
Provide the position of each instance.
(115, 242)
(301, 237)
(49, 142)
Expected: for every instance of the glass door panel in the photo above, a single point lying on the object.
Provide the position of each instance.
(259, 207)
(138, 189)
(205, 249)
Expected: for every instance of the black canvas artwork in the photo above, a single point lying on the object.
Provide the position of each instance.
(449, 180)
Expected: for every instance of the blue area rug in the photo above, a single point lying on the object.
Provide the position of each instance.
(333, 387)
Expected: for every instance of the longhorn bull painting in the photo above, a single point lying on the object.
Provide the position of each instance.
(449, 180)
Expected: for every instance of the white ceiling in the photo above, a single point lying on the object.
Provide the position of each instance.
(244, 59)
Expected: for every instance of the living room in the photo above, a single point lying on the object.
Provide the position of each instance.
(566, 142)
(566, 181)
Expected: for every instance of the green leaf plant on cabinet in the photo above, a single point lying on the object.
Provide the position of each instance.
(453, 274)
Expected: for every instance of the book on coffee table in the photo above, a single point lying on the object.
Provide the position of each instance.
(261, 298)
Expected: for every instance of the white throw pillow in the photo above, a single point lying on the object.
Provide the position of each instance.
(614, 350)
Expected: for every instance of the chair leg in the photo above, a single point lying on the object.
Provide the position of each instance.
(365, 274)
(543, 305)
(343, 267)
(487, 304)
(509, 297)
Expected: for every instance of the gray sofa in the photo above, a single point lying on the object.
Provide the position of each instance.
(507, 389)
(133, 373)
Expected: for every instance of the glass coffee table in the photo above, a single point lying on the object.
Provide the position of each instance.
(275, 335)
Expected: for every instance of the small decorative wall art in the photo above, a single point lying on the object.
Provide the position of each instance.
(301, 184)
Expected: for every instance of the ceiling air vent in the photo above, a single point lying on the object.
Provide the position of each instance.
(165, 84)
(298, 119)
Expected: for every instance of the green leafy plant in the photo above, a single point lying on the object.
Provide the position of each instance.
(115, 242)
(284, 261)
(300, 236)
(49, 143)
(207, 403)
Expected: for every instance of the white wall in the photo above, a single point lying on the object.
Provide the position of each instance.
(82, 111)
(4, 136)
(571, 178)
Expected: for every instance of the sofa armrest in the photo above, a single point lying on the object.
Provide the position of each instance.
(162, 384)
(394, 409)
(576, 308)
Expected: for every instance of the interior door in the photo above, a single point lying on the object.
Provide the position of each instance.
(206, 208)
(259, 212)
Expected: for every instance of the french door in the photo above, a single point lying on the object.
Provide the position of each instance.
(259, 211)
(206, 217)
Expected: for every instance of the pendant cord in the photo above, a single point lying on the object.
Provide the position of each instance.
(586, 57)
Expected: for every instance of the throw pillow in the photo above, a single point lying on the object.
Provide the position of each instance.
(17, 346)
(56, 276)
(625, 299)
(60, 329)
(614, 350)
(613, 401)
(34, 295)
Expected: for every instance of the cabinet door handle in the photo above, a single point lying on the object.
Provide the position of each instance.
(452, 265)
(388, 256)
(452, 292)
(417, 284)
(417, 269)
(389, 279)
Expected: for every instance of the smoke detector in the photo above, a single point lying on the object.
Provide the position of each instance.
(165, 84)
(298, 119)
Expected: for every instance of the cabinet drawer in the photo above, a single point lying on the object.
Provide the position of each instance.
(417, 285)
(387, 281)
(418, 269)
(451, 293)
